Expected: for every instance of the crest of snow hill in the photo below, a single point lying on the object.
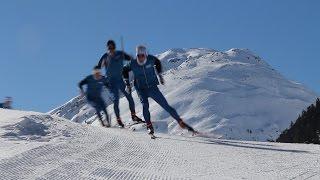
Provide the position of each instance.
(232, 94)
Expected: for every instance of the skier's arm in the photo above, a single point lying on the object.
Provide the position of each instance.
(81, 83)
(126, 56)
(125, 72)
(102, 61)
(158, 66)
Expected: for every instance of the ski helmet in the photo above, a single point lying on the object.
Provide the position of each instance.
(141, 51)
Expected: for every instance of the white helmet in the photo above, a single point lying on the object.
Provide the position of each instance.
(141, 50)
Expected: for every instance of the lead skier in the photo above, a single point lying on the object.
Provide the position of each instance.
(146, 84)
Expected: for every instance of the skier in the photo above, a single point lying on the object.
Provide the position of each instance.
(95, 83)
(146, 84)
(6, 103)
(113, 61)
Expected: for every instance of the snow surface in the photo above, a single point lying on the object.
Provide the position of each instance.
(41, 146)
(233, 94)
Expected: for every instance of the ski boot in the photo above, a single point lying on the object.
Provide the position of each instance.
(108, 121)
(183, 125)
(150, 129)
(106, 124)
(136, 118)
(120, 124)
(102, 123)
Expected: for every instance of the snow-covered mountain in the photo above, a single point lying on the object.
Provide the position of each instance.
(41, 146)
(233, 94)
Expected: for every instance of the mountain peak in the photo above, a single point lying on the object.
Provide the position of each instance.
(184, 53)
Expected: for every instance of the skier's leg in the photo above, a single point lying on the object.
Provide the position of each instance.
(114, 90)
(156, 95)
(99, 116)
(107, 117)
(103, 107)
(143, 95)
(128, 97)
(115, 98)
(92, 103)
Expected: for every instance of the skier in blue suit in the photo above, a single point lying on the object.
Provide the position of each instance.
(95, 83)
(146, 84)
(113, 61)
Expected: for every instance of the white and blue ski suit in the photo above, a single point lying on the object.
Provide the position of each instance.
(114, 67)
(146, 84)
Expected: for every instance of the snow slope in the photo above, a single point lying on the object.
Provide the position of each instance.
(41, 146)
(233, 94)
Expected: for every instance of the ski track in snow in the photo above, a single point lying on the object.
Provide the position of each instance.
(74, 151)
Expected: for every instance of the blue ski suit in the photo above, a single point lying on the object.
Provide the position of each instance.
(93, 93)
(146, 84)
(114, 67)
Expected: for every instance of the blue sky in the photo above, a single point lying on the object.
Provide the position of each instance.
(48, 46)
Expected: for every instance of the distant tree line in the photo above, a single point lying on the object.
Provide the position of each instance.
(306, 129)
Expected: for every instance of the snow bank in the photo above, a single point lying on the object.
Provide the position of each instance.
(89, 152)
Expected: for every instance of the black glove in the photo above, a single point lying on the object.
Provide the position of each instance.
(128, 86)
(161, 79)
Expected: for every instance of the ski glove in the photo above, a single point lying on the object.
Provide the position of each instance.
(128, 86)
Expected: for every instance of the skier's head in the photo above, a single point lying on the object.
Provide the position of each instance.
(111, 45)
(96, 71)
(141, 53)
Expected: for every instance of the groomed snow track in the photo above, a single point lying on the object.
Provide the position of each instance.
(87, 152)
